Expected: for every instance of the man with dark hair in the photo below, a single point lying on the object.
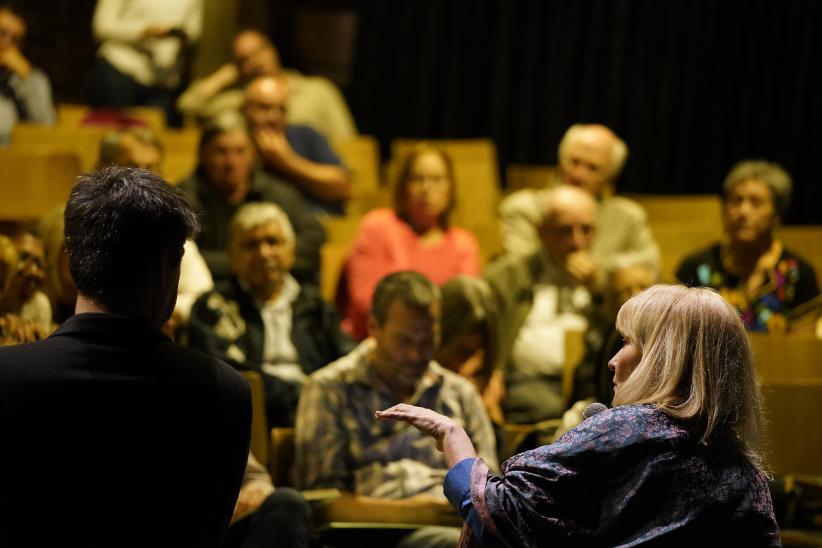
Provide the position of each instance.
(97, 418)
(338, 443)
(227, 176)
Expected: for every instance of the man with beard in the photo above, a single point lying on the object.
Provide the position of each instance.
(338, 444)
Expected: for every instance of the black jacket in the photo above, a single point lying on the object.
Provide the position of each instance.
(215, 329)
(115, 436)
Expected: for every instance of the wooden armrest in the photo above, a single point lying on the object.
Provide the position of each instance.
(417, 511)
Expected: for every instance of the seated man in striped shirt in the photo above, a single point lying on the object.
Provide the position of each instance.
(338, 443)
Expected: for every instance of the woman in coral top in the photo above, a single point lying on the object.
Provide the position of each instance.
(414, 235)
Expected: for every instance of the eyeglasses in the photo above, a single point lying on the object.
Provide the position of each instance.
(439, 182)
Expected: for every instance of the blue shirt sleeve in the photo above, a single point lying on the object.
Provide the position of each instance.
(457, 489)
(309, 143)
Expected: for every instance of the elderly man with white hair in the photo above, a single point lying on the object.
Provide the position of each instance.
(591, 157)
(261, 319)
(540, 296)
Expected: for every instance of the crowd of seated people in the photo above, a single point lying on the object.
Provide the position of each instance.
(417, 318)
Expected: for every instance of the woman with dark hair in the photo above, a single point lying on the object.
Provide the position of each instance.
(749, 266)
(676, 461)
(468, 338)
(414, 235)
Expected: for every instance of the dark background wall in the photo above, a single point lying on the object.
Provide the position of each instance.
(692, 86)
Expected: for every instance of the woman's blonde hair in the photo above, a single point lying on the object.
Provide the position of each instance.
(404, 177)
(696, 365)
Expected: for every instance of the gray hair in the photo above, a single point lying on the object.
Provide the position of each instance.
(410, 288)
(256, 214)
(619, 150)
(772, 174)
(225, 122)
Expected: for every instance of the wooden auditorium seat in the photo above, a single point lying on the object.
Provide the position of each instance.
(790, 370)
(84, 141)
(181, 153)
(73, 116)
(35, 180)
(259, 422)
(361, 155)
(681, 224)
(806, 241)
(522, 176)
(281, 456)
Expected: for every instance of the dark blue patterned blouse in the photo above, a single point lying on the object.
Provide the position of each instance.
(625, 477)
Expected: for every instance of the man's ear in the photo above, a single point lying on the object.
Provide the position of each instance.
(166, 262)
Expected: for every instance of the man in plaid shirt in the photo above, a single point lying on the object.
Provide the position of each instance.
(338, 441)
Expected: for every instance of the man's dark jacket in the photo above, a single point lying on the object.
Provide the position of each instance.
(115, 436)
(315, 334)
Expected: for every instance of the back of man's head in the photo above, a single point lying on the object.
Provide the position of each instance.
(118, 222)
(410, 288)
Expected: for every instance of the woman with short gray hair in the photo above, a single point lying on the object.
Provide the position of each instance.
(750, 266)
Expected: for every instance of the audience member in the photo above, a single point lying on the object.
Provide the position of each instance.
(676, 462)
(414, 235)
(338, 444)
(25, 296)
(593, 380)
(541, 296)
(590, 157)
(265, 517)
(262, 319)
(59, 286)
(15, 330)
(226, 178)
(295, 153)
(142, 51)
(25, 91)
(469, 339)
(8, 267)
(141, 148)
(750, 267)
(95, 416)
(312, 100)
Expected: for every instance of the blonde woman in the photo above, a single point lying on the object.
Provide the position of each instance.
(675, 462)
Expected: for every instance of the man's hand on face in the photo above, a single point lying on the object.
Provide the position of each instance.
(583, 268)
(273, 147)
(156, 31)
(12, 58)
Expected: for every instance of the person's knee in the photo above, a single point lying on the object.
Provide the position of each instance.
(286, 501)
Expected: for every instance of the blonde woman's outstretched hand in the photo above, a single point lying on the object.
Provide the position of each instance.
(451, 437)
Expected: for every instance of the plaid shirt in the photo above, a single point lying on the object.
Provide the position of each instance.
(340, 444)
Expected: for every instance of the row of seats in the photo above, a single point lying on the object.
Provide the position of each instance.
(48, 159)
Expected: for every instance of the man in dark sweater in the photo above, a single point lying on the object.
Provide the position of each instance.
(226, 178)
(98, 418)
